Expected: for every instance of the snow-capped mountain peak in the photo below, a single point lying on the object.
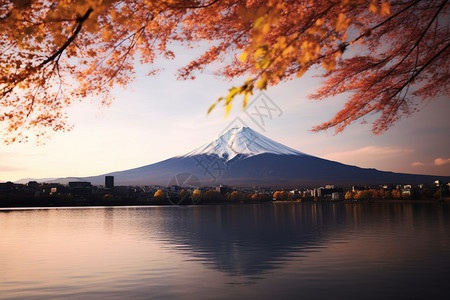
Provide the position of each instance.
(242, 141)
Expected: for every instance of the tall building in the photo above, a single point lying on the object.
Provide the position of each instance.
(109, 182)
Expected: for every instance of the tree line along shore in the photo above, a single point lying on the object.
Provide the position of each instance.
(36, 194)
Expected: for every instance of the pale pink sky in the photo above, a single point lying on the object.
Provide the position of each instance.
(160, 117)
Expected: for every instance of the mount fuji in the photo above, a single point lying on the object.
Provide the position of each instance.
(242, 142)
(244, 157)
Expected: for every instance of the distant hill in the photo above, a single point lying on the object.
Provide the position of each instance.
(26, 180)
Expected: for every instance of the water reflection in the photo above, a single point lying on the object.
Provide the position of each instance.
(251, 239)
(248, 239)
(381, 250)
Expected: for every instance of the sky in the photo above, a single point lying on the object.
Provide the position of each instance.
(156, 118)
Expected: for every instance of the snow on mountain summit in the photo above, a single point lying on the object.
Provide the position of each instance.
(242, 141)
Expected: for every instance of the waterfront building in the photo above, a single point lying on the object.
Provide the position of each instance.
(109, 182)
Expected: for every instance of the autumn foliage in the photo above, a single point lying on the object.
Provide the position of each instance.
(390, 55)
(159, 194)
(282, 195)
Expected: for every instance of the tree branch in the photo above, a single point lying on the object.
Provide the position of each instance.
(27, 74)
(69, 40)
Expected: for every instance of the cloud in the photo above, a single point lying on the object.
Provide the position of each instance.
(441, 161)
(437, 162)
(369, 151)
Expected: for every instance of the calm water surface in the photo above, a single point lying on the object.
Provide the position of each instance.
(264, 251)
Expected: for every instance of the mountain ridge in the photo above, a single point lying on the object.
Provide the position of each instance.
(242, 140)
(243, 157)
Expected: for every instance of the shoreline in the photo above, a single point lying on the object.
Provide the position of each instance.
(112, 205)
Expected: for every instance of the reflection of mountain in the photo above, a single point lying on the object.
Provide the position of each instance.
(243, 157)
(250, 239)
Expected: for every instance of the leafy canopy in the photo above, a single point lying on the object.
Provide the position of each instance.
(56, 52)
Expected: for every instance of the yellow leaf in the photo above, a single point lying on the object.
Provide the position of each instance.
(211, 108)
(227, 109)
(289, 50)
(263, 63)
(259, 52)
(281, 42)
(244, 104)
(243, 56)
(214, 105)
(329, 65)
(259, 22)
(262, 83)
(266, 28)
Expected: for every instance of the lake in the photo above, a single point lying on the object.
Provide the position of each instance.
(261, 251)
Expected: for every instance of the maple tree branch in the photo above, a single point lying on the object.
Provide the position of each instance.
(70, 39)
(341, 47)
(420, 38)
(193, 6)
(55, 55)
(411, 79)
(32, 102)
(308, 25)
(410, 51)
(344, 45)
(389, 19)
(135, 37)
(394, 106)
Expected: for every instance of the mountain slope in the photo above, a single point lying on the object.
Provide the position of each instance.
(243, 157)
(265, 169)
